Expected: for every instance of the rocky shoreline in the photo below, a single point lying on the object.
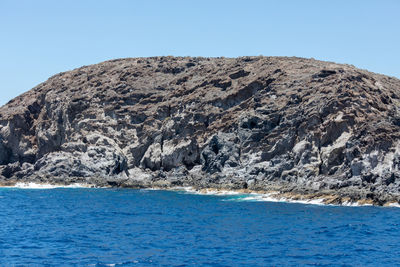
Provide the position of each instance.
(301, 127)
(319, 198)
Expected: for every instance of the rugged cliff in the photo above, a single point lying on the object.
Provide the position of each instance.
(260, 123)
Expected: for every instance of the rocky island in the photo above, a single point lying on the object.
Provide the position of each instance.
(301, 128)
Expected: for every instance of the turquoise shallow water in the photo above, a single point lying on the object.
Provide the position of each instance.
(122, 227)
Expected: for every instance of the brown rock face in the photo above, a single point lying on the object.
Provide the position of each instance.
(260, 123)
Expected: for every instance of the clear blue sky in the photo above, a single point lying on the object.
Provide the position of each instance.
(43, 37)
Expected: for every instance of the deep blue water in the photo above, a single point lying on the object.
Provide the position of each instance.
(99, 227)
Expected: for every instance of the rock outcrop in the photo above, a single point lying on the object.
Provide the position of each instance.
(258, 123)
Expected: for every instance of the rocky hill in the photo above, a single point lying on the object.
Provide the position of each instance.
(293, 125)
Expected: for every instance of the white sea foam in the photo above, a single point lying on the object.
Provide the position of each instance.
(31, 185)
(272, 198)
(395, 205)
(213, 192)
(268, 197)
(318, 201)
(219, 193)
(353, 204)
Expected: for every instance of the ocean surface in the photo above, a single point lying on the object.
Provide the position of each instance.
(125, 227)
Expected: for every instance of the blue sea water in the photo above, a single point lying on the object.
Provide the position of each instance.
(123, 227)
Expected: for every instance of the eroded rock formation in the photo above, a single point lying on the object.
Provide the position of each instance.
(261, 123)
